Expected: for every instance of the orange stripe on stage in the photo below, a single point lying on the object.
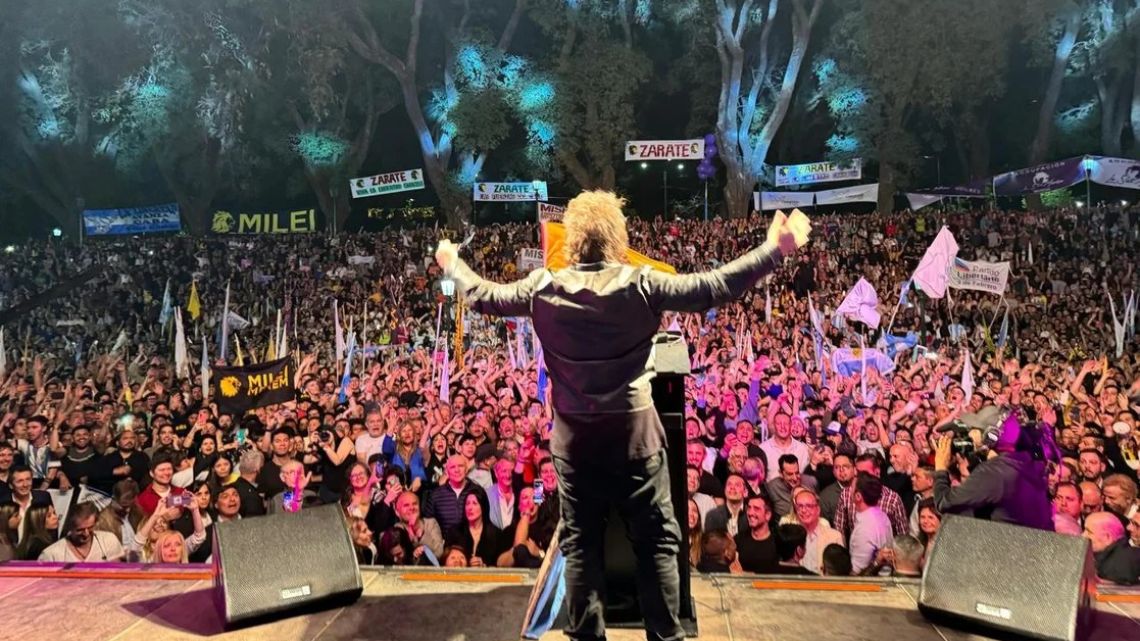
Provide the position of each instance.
(121, 575)
(462, 578)
(1118, 598)
(817, 587)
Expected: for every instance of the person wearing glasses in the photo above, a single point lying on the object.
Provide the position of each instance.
(82, 542)
(820, 534)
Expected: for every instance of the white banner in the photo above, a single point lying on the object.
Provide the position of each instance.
(857, 194)
(550, 213)
(529, 259)
(388, 183)
(786, 199)
(510, 192)
(665, 149)
(979, 275)
(819, 172)
(918, 201)
(1116, 172)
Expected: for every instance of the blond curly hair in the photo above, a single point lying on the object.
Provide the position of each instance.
(595, 228)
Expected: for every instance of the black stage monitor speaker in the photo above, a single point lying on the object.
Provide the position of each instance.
(1009, 578)
(270, 565)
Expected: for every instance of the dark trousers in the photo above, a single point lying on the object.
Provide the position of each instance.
(640, 491)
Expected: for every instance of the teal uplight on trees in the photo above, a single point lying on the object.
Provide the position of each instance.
(536, 95)
(319, 149)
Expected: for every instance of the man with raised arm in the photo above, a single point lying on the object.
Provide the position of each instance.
(596, 321)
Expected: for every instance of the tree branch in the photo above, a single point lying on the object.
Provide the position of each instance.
(372, 50)
(512, 26)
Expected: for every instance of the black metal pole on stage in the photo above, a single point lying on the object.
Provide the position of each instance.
(671, 360)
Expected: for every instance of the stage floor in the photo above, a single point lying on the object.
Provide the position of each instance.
(472, 605)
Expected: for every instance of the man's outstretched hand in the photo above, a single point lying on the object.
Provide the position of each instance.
(789, 233)
(446, 255)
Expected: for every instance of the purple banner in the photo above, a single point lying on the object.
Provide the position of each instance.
(975, 189)
(1046, 177)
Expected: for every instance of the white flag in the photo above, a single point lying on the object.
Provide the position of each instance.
(338, 332)
(445, 378)
(1117, 326)
(520, 346)
(167, 306)
(933, 272)
(225, 323)
(120, 342)
(181, 363)
(511, 352)
(205, 374)
(863, 372)
(1130, 315)
(968, 377)
(236, 323)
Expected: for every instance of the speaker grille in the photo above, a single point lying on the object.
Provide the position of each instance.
(1013, 578)
(272, 563)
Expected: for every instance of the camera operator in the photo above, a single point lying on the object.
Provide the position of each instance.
(1010, 485)
(336, 452)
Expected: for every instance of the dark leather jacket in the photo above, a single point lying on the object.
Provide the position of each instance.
(596, 321)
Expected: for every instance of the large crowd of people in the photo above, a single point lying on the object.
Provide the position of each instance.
(795, 464)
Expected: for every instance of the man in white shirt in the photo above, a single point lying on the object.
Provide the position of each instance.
(501, 496)
(872, 531)
(83, 543)
(820, 534)
(372, 440)
(782, 443)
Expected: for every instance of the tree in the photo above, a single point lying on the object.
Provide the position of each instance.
(184, 110)
(332, 101)
(756, 84)
(881, 92)
(71, 53)
(1106, 53)
(596, 74)
(373, 34)
(1056, 29)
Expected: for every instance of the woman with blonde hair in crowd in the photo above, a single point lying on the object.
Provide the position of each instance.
(154, 530)
(170, 547)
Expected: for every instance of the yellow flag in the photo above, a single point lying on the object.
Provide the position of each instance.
(554, 237)
(194, 307)
(270, 351)
(237, 351)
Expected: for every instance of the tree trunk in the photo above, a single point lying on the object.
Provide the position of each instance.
(886, 202)
(1112, 105)
(335, 208)
(979, 148)
(738, 193)
(1064, 49)
(197, 216)
(1135, 116)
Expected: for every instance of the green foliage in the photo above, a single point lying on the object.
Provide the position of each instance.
(320, 149)
(480, 119)
(1055, 198)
